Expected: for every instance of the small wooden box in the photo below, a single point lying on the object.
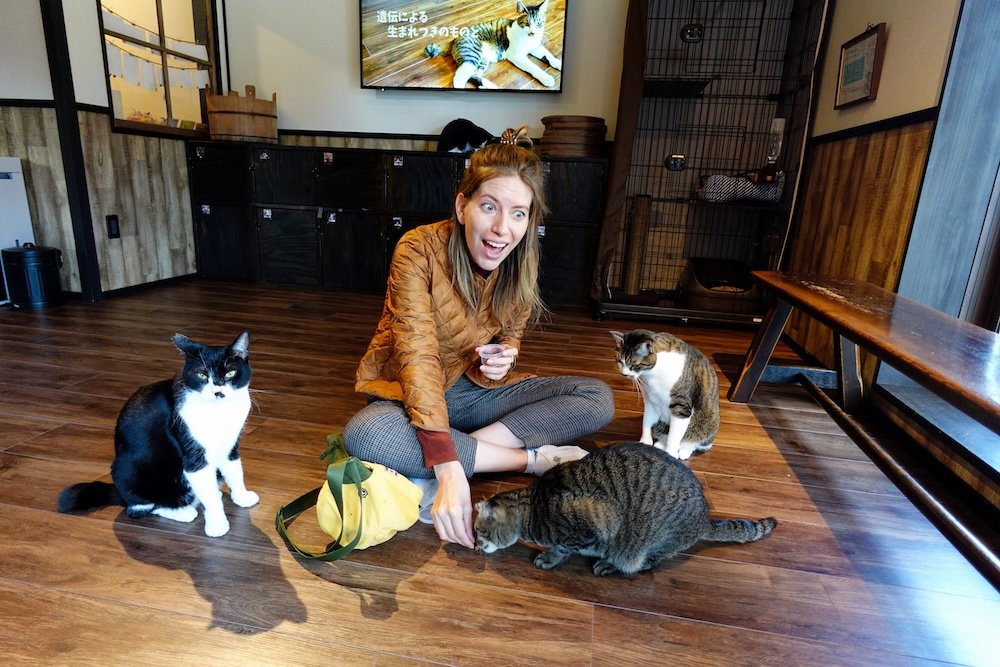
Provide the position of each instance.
(235, 118)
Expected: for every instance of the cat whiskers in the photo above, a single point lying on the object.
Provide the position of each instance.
(254, 405)
(640, 389)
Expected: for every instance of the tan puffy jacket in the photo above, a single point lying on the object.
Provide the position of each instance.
(426, 338)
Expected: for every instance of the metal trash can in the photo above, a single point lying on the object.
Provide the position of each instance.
(32, 274)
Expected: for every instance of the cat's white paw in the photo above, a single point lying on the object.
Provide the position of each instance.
(546, 80)
(245, 498)
(187, 514)
(688, 450)
(556, 63)
(486, 83)
(182, 514)
(216, 527)
(646, 439)
(675, 451)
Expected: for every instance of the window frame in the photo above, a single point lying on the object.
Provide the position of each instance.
(210, 65)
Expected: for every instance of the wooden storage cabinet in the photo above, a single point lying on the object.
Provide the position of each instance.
(567, 263)
(352, 251)
(352, 180)
(422, 184)
(227, 242)
(574, 192)
(332, 217)
(288, 245)
(220, 173)
(397, 225)
(283, 176)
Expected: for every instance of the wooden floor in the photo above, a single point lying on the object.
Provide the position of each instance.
(853, 575)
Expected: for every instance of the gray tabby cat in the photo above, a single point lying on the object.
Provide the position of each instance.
(628, 504)
(679, 387)
(501, 39)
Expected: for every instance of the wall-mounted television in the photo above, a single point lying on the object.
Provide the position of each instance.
(453, 44)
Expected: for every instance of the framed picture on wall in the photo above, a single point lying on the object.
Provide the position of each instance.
(860, 67)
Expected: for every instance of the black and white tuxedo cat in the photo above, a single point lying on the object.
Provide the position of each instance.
(176, 438)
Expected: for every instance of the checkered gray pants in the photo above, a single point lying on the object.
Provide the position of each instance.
(539, 411)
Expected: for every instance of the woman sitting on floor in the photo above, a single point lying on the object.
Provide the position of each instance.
(437, 413)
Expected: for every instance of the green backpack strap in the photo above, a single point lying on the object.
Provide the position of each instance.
(346, 470)
(335, 450)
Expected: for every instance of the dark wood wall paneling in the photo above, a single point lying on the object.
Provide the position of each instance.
(859, 197)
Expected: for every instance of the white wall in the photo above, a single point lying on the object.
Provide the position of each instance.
(308, 52)
(24, 63)
(918, 42)
(83, 34)
(24, 66)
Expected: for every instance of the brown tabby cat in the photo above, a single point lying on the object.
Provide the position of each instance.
(679, 387)
(628, 504)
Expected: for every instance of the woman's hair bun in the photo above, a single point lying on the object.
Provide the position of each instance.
(517, 137)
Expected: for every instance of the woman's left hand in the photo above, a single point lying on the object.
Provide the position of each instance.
(452, 508)
(498, 367)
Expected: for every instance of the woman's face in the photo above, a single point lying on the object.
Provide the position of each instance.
(495, 218)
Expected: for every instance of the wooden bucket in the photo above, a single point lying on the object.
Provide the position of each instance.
(235, 118)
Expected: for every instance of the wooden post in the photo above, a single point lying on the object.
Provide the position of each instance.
(635, 243)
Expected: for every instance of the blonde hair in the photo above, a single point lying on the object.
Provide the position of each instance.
(517, 280)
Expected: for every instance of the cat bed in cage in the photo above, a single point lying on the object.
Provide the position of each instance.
(656, 87)
(722, 285)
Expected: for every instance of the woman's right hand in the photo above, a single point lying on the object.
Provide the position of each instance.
(497, 367)
(452, 508)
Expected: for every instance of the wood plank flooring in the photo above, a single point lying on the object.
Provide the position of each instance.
(853, 575)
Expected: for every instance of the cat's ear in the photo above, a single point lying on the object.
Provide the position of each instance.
(241, 345)
(184, 344)
(618, 336)
(484, 508)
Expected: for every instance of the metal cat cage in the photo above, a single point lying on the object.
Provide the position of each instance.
(720, 77)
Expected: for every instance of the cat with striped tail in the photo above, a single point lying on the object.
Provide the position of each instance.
(514, 40)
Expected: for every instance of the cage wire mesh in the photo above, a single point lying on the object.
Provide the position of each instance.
(717, 73)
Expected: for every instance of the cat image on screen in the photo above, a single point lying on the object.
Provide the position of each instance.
(514, 40)
(176, 439)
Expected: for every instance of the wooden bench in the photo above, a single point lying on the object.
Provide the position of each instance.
(958, 361)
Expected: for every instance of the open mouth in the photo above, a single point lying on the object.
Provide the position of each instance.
(493, 249)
